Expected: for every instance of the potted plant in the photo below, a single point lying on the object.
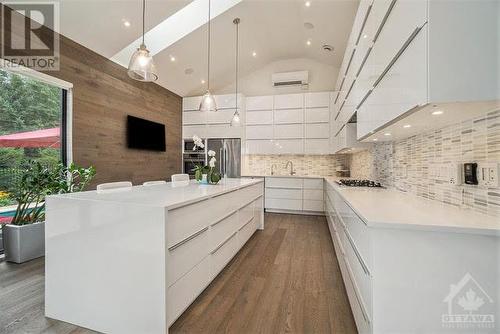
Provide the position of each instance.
(24, 237)
(205, 174)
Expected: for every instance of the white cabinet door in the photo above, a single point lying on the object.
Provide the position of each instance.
(317, 146)
(220, 116)
(259, 117)
(191, 103)
(228, 101)
(188, 131)
(260, 147)
(288, 131)
(317, 100)
(403, 19)
(316, 206)
(284, 204)
(284, 182)
(259, 131)
(284, 193)
(224, 131)
(403, 87)
(317, 115)
(313, 184)
(318, 130)
(289, 101)
(260, 102)
(194, 117)
(288, 116)
(289, 146)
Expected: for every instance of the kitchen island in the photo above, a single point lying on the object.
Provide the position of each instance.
(131, 261)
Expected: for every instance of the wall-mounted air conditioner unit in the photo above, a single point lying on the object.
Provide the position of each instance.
(300, 78)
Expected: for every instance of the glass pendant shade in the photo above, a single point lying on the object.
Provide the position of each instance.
(236, 121)
(208, 102)
(142, 66)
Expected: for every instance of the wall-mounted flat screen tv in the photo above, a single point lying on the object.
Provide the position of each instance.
(145, 135)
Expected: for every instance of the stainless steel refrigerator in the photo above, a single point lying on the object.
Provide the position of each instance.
(228, 155)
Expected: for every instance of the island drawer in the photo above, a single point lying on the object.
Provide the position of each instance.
(223, 254)
(246, 231)
(183, 256)
(181, 294)
(245, 214)
(187, 220)
(222, 230)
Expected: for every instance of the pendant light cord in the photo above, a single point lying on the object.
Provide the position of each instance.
(237, 60)
(208, 53)
(143, 20)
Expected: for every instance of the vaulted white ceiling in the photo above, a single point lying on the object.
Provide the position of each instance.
(274, 29)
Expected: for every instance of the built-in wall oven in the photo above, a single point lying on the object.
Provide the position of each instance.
(192, 157)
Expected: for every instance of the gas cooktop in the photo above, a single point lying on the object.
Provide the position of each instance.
(359, 183)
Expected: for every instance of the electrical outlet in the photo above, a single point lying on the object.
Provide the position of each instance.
(488, 174)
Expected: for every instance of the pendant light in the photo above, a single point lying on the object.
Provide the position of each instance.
(236, 120)
(208, 101)
(142, 66)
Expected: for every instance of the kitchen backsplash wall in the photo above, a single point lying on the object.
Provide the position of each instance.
(406, 165)
(324, 165)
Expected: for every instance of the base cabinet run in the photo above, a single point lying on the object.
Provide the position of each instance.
(402, 280)
(294, 195)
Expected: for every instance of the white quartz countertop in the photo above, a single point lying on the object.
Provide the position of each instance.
(379, 207)
(165, 195)
(288, 176)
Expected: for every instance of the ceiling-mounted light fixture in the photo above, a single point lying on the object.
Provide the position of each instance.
(236, 121)
(142, 66)
(208, 101)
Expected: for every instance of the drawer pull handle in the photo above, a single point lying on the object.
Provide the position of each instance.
(248, 222)
(191, 237)
(223, 218)
(400, 52)
(223, 243)
(360, 259)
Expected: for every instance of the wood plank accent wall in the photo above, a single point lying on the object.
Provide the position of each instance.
(103, 96)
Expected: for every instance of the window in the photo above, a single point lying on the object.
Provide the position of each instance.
(32, 127)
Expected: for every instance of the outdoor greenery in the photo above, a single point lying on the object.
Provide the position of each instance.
(38, 180)
(25, 105)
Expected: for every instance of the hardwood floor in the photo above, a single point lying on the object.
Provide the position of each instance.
(285, 280)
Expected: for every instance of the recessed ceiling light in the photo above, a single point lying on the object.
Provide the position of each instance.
(308, 3)
(437, 112)
(308, 42)
(387, 134)
(172, 58)
(254, 54)
(126, 23)
(407, 126)
(365, 36)
(202, 81)
(308, 25)
(375, 139)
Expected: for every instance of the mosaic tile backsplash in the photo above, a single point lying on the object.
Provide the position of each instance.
(305, 165)
(406, 165)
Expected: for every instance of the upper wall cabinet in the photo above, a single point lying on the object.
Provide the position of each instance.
(289, 101)
(260, 103)
(296, 124)
(409, 56)
(228, 101)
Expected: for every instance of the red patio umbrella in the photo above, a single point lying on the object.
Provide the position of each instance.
(33, 139)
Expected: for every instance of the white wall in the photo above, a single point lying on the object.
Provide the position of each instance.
(322, 77)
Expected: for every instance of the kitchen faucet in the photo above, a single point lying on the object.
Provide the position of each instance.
(289, 162)
(272, 168)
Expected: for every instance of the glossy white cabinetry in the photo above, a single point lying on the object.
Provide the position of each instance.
(399, 279)
(213, 124)
(294, 195)
(346, 140)
(300, 123)
(409, 51)
(185, 237)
